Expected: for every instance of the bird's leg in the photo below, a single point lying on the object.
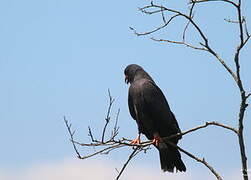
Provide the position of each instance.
(156, 139)
(136, 141)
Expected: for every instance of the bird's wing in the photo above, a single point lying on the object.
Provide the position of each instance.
(157, 108)
(131, 106)
(134, 107)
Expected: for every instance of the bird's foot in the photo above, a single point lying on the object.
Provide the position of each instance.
(157, 139)
(136, 141)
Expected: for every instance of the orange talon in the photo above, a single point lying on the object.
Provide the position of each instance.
(156, 139)
(136, 141)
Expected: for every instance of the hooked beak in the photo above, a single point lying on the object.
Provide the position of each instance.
(126, 79)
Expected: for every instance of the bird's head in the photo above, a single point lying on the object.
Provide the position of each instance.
(130, 72)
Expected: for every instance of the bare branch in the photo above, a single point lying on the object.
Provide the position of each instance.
(203, 161)
(71, 137)
(103, 151)
(208, 124)
(246, 28)
(163, 16)
(179, 42)
(201, 1)
(155, 30)
(201, 127)
(184, 32)
(206, 46)
(231, 21)
(224, 64)
(135, 152)
(162, 8)
(240, 22)
(107, 119)
(116, 128)
(186, 27)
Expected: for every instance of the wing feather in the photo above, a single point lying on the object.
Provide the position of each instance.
(157, 108)
(131, 106)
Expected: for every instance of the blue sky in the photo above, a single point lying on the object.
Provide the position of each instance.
(60, 57)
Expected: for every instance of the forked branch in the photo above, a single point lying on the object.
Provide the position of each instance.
(205, 46)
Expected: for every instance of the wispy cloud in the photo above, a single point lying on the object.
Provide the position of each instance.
(95, 170)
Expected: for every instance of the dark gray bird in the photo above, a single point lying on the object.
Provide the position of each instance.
(149, 107)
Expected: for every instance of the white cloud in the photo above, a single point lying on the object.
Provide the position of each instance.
(93, 169)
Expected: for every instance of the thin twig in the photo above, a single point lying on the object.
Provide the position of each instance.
(184, 32)
(200, 127)
(71, 137)
(188, 22)
(240, 21)
(163, 16)
(231, 21)
(211, 123)
(128, 160)
(181, 43)
(90, 134)
(203, 161)
(201, 1)
(186, 27)
(107, 119)
(246, 28)
(115, 130)
(155, 30)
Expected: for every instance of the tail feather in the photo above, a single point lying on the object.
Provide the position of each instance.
(170, 158)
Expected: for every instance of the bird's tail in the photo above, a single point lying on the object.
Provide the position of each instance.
(170, 158)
